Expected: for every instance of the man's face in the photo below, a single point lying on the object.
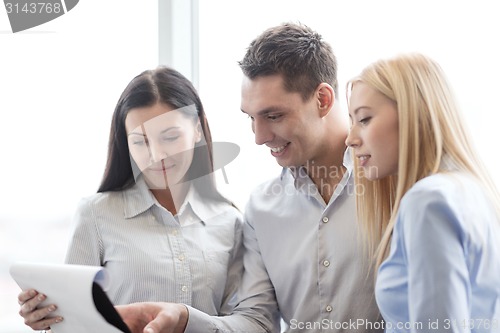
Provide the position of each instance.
(282, 120)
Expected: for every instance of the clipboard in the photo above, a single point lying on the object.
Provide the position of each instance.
(79, 293)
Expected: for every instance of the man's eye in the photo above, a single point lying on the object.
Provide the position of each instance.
(274, 117)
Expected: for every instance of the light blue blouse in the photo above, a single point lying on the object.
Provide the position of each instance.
(194, 257)
(443, 269)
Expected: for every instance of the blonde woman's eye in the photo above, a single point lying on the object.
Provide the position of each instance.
(365, 120)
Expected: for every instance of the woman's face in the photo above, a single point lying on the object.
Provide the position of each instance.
(374, 134)
(161, 141)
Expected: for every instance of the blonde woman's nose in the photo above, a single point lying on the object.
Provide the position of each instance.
(352, 139)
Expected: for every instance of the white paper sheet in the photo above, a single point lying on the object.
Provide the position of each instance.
(70, 287)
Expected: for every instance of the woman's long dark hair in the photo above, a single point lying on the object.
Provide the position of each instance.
(168, 86)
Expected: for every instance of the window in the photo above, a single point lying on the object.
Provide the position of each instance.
(59, 85)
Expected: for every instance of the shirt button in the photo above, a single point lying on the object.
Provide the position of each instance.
(325, 219)
(184, 288)
(328, 308)
(181, 257)
(326, 263)
(174, 232)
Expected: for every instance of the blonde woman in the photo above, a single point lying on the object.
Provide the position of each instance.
(430, 210)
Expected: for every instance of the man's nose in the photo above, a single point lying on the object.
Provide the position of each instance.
(262, 132)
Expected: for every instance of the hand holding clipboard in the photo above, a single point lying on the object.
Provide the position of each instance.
(78, 291)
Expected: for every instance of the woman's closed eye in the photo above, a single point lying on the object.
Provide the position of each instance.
(139, 142)
(170, 138)
(365, 120)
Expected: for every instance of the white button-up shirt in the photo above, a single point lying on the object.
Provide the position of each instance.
(303, 261)
(194, 257)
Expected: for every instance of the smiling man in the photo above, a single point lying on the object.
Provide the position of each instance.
(303, 259)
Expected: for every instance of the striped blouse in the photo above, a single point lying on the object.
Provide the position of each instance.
(194, 258)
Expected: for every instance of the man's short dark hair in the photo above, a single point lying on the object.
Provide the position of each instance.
(297, 53)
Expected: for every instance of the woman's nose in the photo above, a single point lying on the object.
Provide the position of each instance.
(157, 153)
(352, 139)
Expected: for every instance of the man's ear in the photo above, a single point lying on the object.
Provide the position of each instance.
(325, 97)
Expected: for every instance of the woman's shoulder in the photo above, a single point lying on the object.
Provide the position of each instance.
(448, 204)
(102, 201)
(101, 197)
(455, 194)
(443, 185)
(449, 192)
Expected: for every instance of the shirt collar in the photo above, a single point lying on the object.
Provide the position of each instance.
(299, 173)
(348, 162)
(196, 208)
(138, 199)
(185, 213)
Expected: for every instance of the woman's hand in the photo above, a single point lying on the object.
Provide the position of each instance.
(36, 316)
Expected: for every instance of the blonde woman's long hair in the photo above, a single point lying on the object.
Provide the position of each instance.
(430, 127)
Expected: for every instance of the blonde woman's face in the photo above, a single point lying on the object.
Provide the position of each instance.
(374, 134)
